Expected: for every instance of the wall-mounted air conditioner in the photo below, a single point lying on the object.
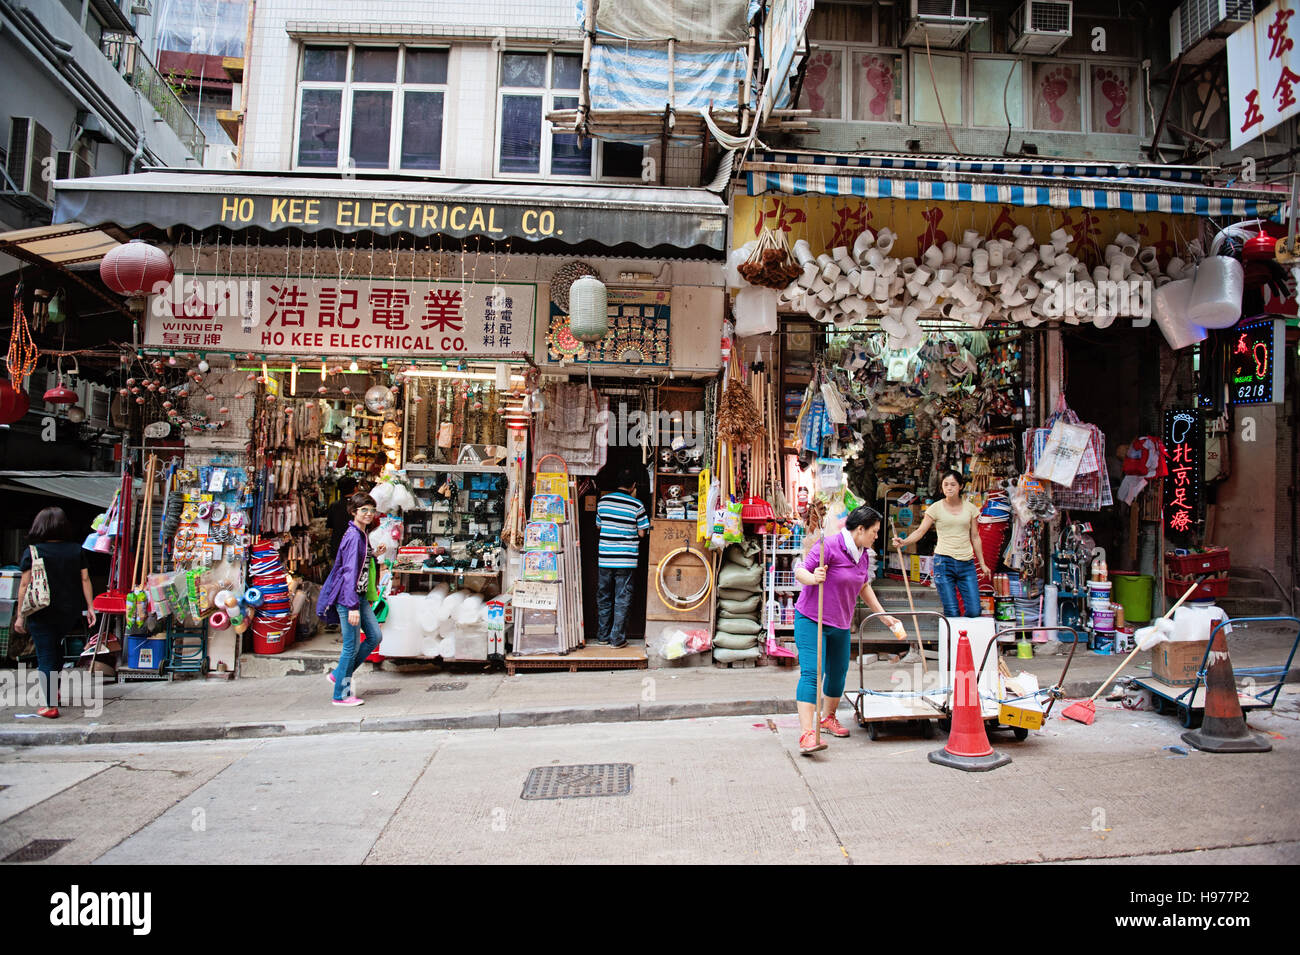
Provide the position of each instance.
(30, 159)
(71, 165)
(96, 399)
(943, 23)
(1042, 26)
(1200, 28)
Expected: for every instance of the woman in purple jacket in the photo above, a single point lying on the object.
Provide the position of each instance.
(342, 599)
(845, 576)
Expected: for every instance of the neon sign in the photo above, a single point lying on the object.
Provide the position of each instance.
(1184, 438)
(1251, 363)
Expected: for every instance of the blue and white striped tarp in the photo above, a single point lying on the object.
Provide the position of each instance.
(631, 78)
(992, 167)
(1075, 195)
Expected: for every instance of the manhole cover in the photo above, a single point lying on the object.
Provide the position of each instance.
(445, 687)
(572, 782)
(384, 692)
(38, 850)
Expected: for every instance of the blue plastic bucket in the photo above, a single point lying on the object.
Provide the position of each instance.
(145, 653)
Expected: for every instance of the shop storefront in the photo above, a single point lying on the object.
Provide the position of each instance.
(992, 319)
(413, 339)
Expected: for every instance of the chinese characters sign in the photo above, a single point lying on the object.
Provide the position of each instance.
(1263, 72)
(1250, 362)
(328, 316)
(1184, 440)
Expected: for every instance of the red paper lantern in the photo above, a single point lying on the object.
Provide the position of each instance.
(13, 403)
(136, 268)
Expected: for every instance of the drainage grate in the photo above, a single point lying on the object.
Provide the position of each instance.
(572, 782)
(382, 692)
(38, 850)
(444, 687)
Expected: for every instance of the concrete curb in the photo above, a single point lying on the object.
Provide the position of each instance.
(497, 719)
(549, 716)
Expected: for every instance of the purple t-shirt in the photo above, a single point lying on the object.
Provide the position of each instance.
(844, 579)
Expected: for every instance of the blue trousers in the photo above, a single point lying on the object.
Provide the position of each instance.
(352, 656)
(835, 659)
(952, 576)
(613, 598)
(48, 637)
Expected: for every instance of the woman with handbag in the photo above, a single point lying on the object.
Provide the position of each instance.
(54, 570)
(343, 598)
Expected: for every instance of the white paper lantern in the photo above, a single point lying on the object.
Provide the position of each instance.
(588, 309)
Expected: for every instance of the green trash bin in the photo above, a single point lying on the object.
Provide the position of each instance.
(1133, 592)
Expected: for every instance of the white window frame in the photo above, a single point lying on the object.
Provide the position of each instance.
(915, 62)
(1139, 93)
(548, 94)
(1085, 109)
(348, 87)
(1024, 88)
(901, 54)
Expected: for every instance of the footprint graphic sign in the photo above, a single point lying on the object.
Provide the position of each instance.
(1251, 363)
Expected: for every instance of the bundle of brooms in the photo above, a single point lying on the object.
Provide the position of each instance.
(770, 264)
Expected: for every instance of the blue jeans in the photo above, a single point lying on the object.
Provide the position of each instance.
(835, 659)
(48, 637)
(613, 597)
(952, 576)
(351, 657)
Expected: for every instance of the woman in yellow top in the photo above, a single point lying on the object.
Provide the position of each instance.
(957, 551)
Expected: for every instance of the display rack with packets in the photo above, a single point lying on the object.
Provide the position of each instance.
(210, 517)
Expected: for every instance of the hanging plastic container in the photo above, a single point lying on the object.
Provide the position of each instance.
(1169, 309)
(1216, 293)
(588, 309)
(755, 311)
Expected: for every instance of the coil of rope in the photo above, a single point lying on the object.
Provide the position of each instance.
(670, 599)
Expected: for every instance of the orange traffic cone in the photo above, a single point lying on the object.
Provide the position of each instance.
(968, 746)
(1223, 730)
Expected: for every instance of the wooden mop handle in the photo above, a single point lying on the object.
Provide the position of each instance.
(1137, 647)
(821, 594)
(916, 626)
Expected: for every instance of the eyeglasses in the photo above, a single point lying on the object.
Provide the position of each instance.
(365, 510)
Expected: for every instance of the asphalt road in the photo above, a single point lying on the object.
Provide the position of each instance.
(722, 790)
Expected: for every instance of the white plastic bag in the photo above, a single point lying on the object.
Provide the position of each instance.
(755, 311)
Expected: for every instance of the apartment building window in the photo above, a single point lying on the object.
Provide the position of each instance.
(533, 84)
(369, 107)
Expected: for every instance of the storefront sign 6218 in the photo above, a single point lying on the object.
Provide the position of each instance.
(383, 215)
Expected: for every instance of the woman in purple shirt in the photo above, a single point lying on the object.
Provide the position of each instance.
(342, 599)
(845, 576)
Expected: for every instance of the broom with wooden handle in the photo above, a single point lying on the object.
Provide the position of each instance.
(1085, 711)
(821, 595)
(907, 585)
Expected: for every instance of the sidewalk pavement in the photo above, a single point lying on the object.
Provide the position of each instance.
(456, 697)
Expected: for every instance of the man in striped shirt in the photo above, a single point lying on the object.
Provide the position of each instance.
(622, 522)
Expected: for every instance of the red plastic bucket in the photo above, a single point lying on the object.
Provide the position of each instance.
(269, 634)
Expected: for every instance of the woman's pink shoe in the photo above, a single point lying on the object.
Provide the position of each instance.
(833, 726)
(808, 744)
(349, 701)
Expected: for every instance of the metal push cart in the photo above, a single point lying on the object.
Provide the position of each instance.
(916, 709)
(1053, 692)
(1188, 702)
